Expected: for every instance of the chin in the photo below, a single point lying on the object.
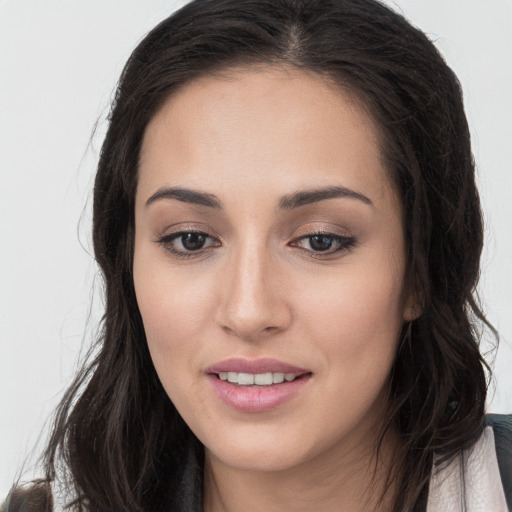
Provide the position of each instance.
(256, 460)
(262, 452)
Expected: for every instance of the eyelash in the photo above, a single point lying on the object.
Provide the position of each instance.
(167, 242)
(345, 243)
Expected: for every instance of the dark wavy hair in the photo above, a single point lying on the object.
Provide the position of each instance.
(117, 436)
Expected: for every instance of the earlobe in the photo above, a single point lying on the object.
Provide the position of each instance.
(414, 303)
(411, 313)
(413, 307)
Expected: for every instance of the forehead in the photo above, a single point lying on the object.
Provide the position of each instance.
(263, 126)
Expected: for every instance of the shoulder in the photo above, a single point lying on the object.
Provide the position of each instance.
(36, 497)
(501, 425)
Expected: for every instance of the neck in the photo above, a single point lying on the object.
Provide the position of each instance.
(339, 480)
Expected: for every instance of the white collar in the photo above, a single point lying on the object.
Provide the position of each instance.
(471, 482)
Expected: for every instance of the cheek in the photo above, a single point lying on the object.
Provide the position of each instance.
(354, 324)
(361, 301)
(173, 313)
(355, 320)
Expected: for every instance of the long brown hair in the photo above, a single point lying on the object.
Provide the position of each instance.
(117, 436)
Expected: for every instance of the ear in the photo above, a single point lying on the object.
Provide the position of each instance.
(413, 307)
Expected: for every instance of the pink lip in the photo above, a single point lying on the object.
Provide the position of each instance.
(265, 365)
(256, 399)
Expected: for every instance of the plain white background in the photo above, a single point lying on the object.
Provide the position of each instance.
(60, 60)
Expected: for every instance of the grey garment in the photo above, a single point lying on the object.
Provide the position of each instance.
(189, 497)
(502, 427)
(192, 482)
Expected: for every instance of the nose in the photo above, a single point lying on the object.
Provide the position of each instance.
(253, 300)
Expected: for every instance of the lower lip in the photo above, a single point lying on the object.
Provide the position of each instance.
(252, 399)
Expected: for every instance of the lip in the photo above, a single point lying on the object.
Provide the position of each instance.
(263, 365)
(256, 399)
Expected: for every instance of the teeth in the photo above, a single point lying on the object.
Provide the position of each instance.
(277, 378)
(263, 379)
(246, 379)
(259, 379)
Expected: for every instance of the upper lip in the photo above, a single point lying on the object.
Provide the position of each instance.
(264, 365)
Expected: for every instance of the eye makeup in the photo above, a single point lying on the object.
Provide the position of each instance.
(188, 243)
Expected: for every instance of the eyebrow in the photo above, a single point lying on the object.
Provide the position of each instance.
(305, 197)
(185, 195)
(288, 202)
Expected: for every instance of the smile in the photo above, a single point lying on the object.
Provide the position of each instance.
(258, 379)
(254, 386)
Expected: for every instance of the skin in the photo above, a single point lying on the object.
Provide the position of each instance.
(257, 288)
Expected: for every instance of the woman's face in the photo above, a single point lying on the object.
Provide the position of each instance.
(269, 248)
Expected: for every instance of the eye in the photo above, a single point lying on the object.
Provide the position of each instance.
(187, 243)
(319, 244)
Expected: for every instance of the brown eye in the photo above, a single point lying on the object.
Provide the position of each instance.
(185, 244)
(320, 242)
(193, 241)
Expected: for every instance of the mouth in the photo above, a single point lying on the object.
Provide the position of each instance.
(256, 385)
(258, 380)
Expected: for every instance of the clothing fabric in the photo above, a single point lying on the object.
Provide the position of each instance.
(502, 429)
(478, 480)
(471, 482)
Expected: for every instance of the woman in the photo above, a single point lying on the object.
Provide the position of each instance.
(287, 222)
